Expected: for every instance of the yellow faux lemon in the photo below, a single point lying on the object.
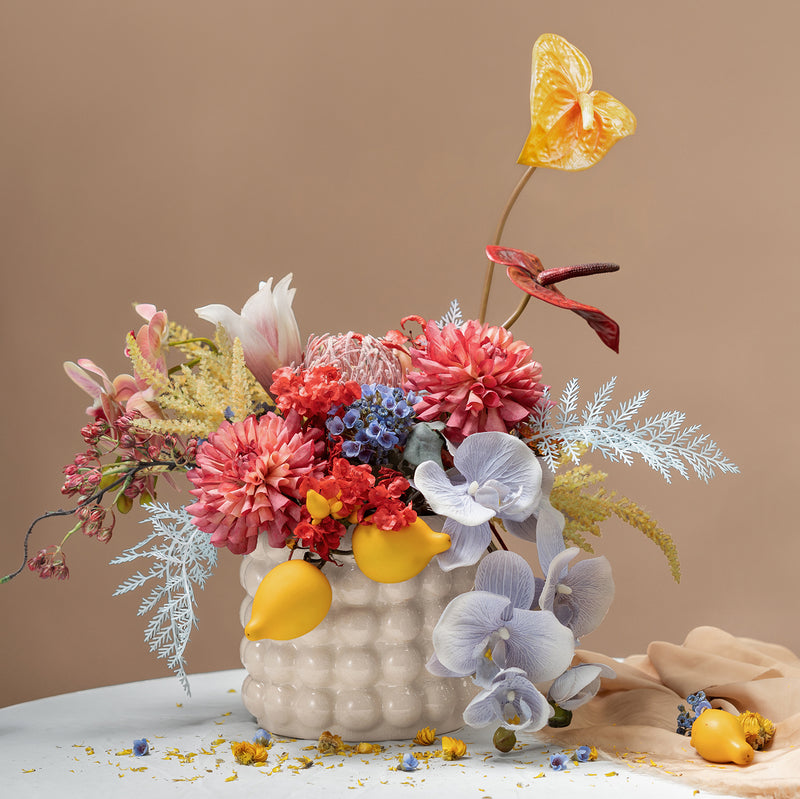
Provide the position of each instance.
(293, 599)
(719, 738)
(389, 556)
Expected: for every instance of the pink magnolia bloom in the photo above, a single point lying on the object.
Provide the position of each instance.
(248, 479)
(266, 327)
(474, 377)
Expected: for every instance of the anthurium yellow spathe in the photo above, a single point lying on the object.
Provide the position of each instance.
(392, 556)
(292, 600)
(571, 127)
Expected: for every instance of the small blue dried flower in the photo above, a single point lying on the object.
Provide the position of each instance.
(583, 754)
(141, 747)
(559, 762)
(408, 763)
(262, 737)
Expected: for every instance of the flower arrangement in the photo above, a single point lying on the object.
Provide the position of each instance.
(343, 447)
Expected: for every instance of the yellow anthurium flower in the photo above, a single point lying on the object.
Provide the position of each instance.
(571, 127)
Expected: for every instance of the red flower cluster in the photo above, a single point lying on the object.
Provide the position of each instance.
(312, 392)
(354, 495)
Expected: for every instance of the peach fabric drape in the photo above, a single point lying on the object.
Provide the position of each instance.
(633, 717)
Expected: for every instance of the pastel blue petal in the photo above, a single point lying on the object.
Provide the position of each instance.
(592, 594)
(461, 636)
(546, 528)
(578, 685)
(507, 574)
(467, 544)
(447, 499)
(505, 459)
(591, 591)
(438, 670)
(538, 644)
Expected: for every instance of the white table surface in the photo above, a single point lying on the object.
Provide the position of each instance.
(74, 744)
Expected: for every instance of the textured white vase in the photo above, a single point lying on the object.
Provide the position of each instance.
(361, 673)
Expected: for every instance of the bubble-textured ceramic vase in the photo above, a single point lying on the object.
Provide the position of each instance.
(361, 673)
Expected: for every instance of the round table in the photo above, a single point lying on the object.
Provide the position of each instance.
(80, 744)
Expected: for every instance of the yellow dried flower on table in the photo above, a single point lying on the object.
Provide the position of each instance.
(368, 749)
(757, 730)
(452, 748)
(247, 754)
(330, 744)
(425, 737)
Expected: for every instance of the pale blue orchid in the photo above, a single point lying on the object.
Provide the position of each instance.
(511, 694)
(494, 475)
(578, 685)
(492, 628)
(580, 596)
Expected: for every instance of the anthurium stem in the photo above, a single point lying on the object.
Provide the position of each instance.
(498, 234)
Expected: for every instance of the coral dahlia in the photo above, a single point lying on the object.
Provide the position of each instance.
(474, 377)
(248, 479)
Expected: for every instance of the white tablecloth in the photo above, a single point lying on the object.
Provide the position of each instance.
(77, 745)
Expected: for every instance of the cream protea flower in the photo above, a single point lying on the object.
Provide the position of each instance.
(475, 378)
(362, 358)
(247, 480)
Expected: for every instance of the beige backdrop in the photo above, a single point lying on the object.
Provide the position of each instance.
(179, 152)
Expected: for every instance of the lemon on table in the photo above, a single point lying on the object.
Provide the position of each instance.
(293, 599)
(392, 556)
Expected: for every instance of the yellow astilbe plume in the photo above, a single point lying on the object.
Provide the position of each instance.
(584, 512)
(214, 386)
(155, 379)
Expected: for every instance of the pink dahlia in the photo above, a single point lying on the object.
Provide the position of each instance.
(473, 377)
(248, 478)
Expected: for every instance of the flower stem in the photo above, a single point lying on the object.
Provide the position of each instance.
(498, 234)
(165, 466)
(497, 536)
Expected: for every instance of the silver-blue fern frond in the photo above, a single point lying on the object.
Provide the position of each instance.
(183, 559)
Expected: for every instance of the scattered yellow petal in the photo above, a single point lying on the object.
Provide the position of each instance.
(611, 774)
(233, 777)
(28, 770)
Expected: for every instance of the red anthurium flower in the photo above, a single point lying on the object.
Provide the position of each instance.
(526, 272)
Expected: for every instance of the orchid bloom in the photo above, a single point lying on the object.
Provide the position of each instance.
(491, 628)
(511, 694)
(578, 685)
(266, 328)
(496, 474)
(579, 597)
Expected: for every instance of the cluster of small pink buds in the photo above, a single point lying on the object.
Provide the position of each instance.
(49, 563)
(96, 523)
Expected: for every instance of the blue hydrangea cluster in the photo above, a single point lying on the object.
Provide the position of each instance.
(374, 424)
